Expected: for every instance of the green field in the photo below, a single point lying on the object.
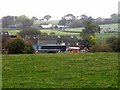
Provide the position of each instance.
(99, 37)
(109, 26)
(103, 36)
(12, 32)
(61, 70)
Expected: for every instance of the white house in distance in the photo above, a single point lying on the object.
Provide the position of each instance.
(109, 30)
(46, 26)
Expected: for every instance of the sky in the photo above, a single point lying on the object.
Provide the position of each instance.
(58, 8)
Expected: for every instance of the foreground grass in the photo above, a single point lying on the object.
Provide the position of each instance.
(62, 70)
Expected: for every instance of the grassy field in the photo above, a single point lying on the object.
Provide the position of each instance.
(99, 37)
(82, 70)
(12, 32)
(69, 29)
(103, 36)
(109, 26)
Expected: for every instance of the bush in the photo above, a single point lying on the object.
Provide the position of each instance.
(110, 40)
(101, 47)
(52, 33)
(92, 40)
(18, 46)
(15, 46)
(28, 48)
(29, 32)
(116, 45)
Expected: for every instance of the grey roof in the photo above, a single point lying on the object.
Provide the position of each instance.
(63, 38)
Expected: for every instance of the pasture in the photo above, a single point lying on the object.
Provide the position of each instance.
(109, 26)
(61, 70)
(103, 36)
(72, 31)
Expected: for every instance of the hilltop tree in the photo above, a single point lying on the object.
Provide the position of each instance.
(90, 28)
(62, 21)
(23, 22)
(26, 23)
(68, 20)
(34, 18)
(69, 17)
(47, 17)
(7, 20)
(84, 17)
(29, 32)
(114, 18)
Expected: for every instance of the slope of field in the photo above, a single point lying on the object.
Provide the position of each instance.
(62, 70)
(12, 32)
(76, 32)
(103, 36)
(113, 26)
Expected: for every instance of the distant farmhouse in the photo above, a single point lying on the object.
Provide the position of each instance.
(51, 26)
(7, 36)
(109, 30)
(46, 26)
(60, 27)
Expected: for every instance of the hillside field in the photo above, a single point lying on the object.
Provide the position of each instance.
(60, 70)
(99, 37)
(110, 26)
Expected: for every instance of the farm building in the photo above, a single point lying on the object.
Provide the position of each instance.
(5, 35)
(46, 26)
(109, 30)
(56, 40)
(60, 27)
(58, 43)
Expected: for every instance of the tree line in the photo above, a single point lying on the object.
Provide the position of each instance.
(23, 22)
(20, 22)
(73, 22)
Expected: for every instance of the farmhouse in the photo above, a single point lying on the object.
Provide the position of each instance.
(56, 40)
(109, 30)
(7, 36)
(58, 43)
(46, 26)
(60, 27)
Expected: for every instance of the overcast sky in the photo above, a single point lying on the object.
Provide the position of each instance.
(58, 8)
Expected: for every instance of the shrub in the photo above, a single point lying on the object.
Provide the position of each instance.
(15, 46)
(94, 48)
(116, 45)
(110, 40)
(101, 47)
(29, 32)
(28, 48)
(92, 40)
(52, 33)
(18, 46)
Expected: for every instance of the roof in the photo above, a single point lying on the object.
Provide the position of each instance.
(4, 33)
(63, 38)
